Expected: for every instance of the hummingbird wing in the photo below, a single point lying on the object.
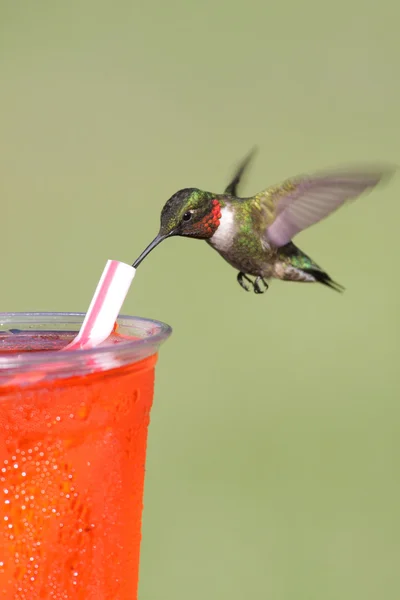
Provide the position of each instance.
(231, 189)
(299, 203)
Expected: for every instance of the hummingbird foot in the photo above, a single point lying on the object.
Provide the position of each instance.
(241, 278)
(258, 289)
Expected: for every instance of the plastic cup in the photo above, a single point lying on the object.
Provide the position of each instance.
(73, 434)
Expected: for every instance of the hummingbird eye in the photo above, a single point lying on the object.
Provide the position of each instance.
(187, 216)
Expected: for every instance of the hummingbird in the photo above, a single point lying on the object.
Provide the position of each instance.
(254, 234)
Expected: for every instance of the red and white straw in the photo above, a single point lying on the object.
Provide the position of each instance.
(104, 308)
(99, 321)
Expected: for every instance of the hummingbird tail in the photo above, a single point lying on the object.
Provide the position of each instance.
(322, 277)
(300, 267)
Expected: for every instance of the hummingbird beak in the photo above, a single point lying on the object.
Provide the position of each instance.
(159, 238)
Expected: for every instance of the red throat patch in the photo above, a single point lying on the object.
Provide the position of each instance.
(212, 220)
(209, 223)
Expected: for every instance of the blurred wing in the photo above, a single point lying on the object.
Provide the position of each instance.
(233, 185)
(297, 204)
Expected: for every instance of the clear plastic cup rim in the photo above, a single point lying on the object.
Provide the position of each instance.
(149, 334)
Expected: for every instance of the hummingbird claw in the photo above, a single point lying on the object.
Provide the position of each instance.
(257, 288)
(241, 277)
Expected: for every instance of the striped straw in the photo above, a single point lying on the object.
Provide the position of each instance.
(105, 306)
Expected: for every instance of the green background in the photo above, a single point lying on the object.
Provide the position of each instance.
(273, 462)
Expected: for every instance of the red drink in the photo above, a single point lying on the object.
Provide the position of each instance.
(72, 453)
